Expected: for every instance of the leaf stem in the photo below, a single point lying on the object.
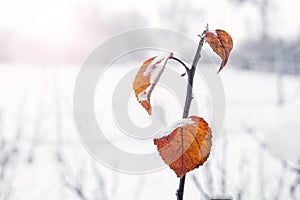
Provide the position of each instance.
(181, 62)
(189, 98)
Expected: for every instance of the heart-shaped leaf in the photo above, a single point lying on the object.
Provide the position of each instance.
(186, 146)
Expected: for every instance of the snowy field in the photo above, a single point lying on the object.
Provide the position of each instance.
(41, 157)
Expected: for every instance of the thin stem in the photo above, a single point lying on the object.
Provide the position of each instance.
(181, 62)
(189, 98)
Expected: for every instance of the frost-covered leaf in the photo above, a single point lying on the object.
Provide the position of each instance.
(147, 77)
(186, 145)
(221, 42)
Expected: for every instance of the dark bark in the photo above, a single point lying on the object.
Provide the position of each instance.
(189, 98)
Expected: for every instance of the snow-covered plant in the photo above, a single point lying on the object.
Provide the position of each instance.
(187, 144)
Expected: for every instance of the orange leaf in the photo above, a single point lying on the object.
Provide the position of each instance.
(187, 146)
(147, 77)
(221, 42)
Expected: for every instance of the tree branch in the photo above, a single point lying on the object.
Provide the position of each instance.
(189, 98)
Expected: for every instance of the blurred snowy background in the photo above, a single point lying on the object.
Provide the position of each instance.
(42, 46)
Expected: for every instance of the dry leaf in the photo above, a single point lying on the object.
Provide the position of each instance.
(186, 146)
(221, 42)
(147, 77)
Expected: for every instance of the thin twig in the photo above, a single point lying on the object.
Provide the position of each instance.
(251, 132)
(180, 61)
(198, 185)
(101, 183)
(188, 100)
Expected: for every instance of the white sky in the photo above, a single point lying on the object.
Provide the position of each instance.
(33, 16)
(57, 22)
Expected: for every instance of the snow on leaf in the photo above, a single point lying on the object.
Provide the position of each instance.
(147, 77)
(221, 42)
(187, 147)
(175, 125)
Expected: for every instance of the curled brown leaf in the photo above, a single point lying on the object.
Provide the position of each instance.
(147, 77)
(221, 43)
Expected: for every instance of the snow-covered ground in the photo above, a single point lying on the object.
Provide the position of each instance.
(41, 156)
